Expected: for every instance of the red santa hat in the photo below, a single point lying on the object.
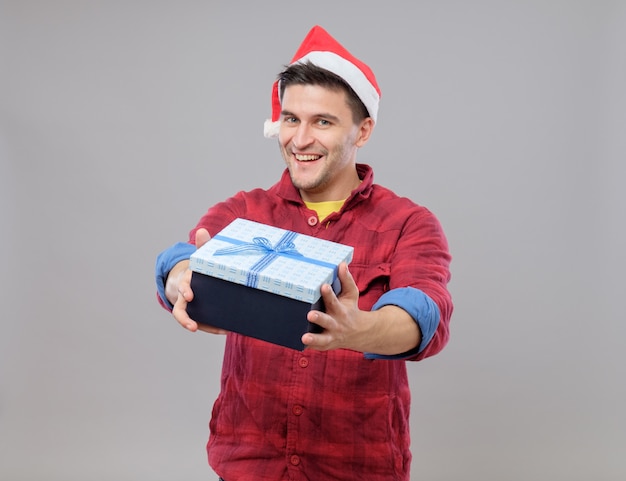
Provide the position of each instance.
(322, 50)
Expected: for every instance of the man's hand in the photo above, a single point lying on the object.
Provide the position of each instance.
(389, 330)
(340, 321)
(178, 291)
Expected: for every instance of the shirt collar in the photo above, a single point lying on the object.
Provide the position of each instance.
(286, 190)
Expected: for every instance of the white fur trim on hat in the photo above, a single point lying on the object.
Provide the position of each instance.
(271, 129)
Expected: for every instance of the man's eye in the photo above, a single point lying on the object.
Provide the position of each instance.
(323, 122)
(289, 120)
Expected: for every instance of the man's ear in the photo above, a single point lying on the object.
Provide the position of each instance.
(365, 131)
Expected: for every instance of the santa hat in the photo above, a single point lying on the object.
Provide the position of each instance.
(324, 51)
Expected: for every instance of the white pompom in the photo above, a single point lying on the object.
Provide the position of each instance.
(271, 129)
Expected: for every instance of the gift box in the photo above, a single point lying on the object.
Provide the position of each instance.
(261, 281)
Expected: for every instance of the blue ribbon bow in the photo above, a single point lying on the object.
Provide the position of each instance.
(263, 245)
(284, 247)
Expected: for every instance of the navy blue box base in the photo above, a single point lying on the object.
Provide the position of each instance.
(252, 312)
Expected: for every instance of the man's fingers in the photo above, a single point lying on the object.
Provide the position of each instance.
(180, 310)
(184, 285)
(319, 342)
(211, 329)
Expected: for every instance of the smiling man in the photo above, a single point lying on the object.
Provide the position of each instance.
(319, 139)
(339, 409)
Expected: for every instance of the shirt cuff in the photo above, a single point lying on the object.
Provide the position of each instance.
(165, 261)
(420, 307)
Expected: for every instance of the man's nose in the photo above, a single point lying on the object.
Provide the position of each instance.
(303, 136)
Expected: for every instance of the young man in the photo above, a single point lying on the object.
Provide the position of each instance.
(340, 408)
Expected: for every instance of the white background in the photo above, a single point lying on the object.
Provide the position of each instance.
(122, 122)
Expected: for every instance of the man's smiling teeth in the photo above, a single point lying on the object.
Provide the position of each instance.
(306, 158)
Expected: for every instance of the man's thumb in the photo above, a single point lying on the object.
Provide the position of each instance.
(202, 237)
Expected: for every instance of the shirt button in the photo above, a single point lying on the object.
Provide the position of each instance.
(294, 459)
(312, 220)
(297, 410)
(303, 362)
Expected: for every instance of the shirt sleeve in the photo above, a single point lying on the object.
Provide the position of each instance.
(165, 261)
(420, 307)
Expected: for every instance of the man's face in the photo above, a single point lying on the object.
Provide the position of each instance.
(319, 141)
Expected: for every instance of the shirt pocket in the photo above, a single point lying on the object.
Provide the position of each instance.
(372, 281)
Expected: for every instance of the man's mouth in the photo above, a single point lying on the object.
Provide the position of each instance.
(306, 158)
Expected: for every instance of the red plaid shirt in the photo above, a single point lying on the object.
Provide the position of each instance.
(284, 414)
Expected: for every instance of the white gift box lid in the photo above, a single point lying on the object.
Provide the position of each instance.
(272, 259)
